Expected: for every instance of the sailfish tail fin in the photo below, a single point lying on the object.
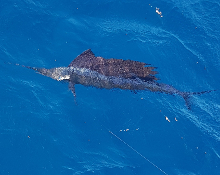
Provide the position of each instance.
(203, 92)
(186, 96)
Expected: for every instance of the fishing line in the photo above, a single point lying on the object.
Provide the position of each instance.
(137, 152)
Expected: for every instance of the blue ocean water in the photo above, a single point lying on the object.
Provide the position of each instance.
(43, 132)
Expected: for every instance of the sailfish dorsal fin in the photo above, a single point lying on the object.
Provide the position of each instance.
(82, 59)
(114, 67)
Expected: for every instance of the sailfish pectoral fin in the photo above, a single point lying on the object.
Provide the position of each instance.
(72, 88)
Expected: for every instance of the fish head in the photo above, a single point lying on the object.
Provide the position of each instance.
(59, 73)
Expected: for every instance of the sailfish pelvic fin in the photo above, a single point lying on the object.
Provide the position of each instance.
(72, 88)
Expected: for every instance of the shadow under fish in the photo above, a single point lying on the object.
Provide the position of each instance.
(89, 70)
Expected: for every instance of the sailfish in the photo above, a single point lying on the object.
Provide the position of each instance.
(88, 70)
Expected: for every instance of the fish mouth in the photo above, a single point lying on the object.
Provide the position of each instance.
(42, 71)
